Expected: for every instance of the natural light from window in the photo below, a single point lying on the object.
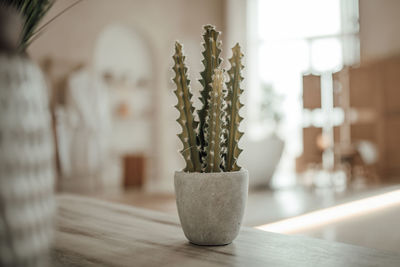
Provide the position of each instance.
(291, 38)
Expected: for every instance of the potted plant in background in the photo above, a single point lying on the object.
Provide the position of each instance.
(264, 153)
(211, 191)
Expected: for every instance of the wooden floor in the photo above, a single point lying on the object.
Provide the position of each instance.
(266, 206)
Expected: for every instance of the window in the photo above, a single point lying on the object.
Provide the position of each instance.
(288, 38)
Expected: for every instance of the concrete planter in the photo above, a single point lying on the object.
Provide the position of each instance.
(211, 205)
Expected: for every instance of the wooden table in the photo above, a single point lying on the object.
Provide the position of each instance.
(98, 233)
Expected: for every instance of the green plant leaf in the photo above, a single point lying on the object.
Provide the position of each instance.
(211, 61)
(214, 124)
(185, 107)
(33, 11)
(233, 134)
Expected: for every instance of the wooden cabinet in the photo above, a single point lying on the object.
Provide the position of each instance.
(369, 96)
(374, 96)
(134, 171)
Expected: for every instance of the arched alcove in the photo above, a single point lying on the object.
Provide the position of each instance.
(124, 60)
(121, 50)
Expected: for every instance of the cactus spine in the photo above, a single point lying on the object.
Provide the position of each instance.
(214, 124)
(233, 107)
(186, 109)
(210, 145)
(211, 61)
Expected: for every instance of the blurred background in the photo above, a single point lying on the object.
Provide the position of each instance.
(322, 106)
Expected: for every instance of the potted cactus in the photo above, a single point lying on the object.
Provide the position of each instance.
(211, 191)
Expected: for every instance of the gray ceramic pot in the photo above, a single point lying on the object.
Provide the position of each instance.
(211, 205)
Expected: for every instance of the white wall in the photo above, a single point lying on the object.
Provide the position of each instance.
(71, 38)
(379, 29)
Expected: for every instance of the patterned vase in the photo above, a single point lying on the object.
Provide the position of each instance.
(26, 165)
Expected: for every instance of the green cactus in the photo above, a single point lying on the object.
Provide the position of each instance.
(210, 145)
(186, 109)
(211, 61)
(233, 106)
(214, 124)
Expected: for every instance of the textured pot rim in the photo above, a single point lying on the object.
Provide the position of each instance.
(212, 174)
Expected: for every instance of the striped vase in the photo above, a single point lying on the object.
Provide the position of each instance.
(26, 165)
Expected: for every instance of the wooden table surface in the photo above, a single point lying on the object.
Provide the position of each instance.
(97, 233)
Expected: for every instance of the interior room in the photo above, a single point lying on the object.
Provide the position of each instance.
(214, 132)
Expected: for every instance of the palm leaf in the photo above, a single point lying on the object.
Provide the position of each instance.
(33, 11)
